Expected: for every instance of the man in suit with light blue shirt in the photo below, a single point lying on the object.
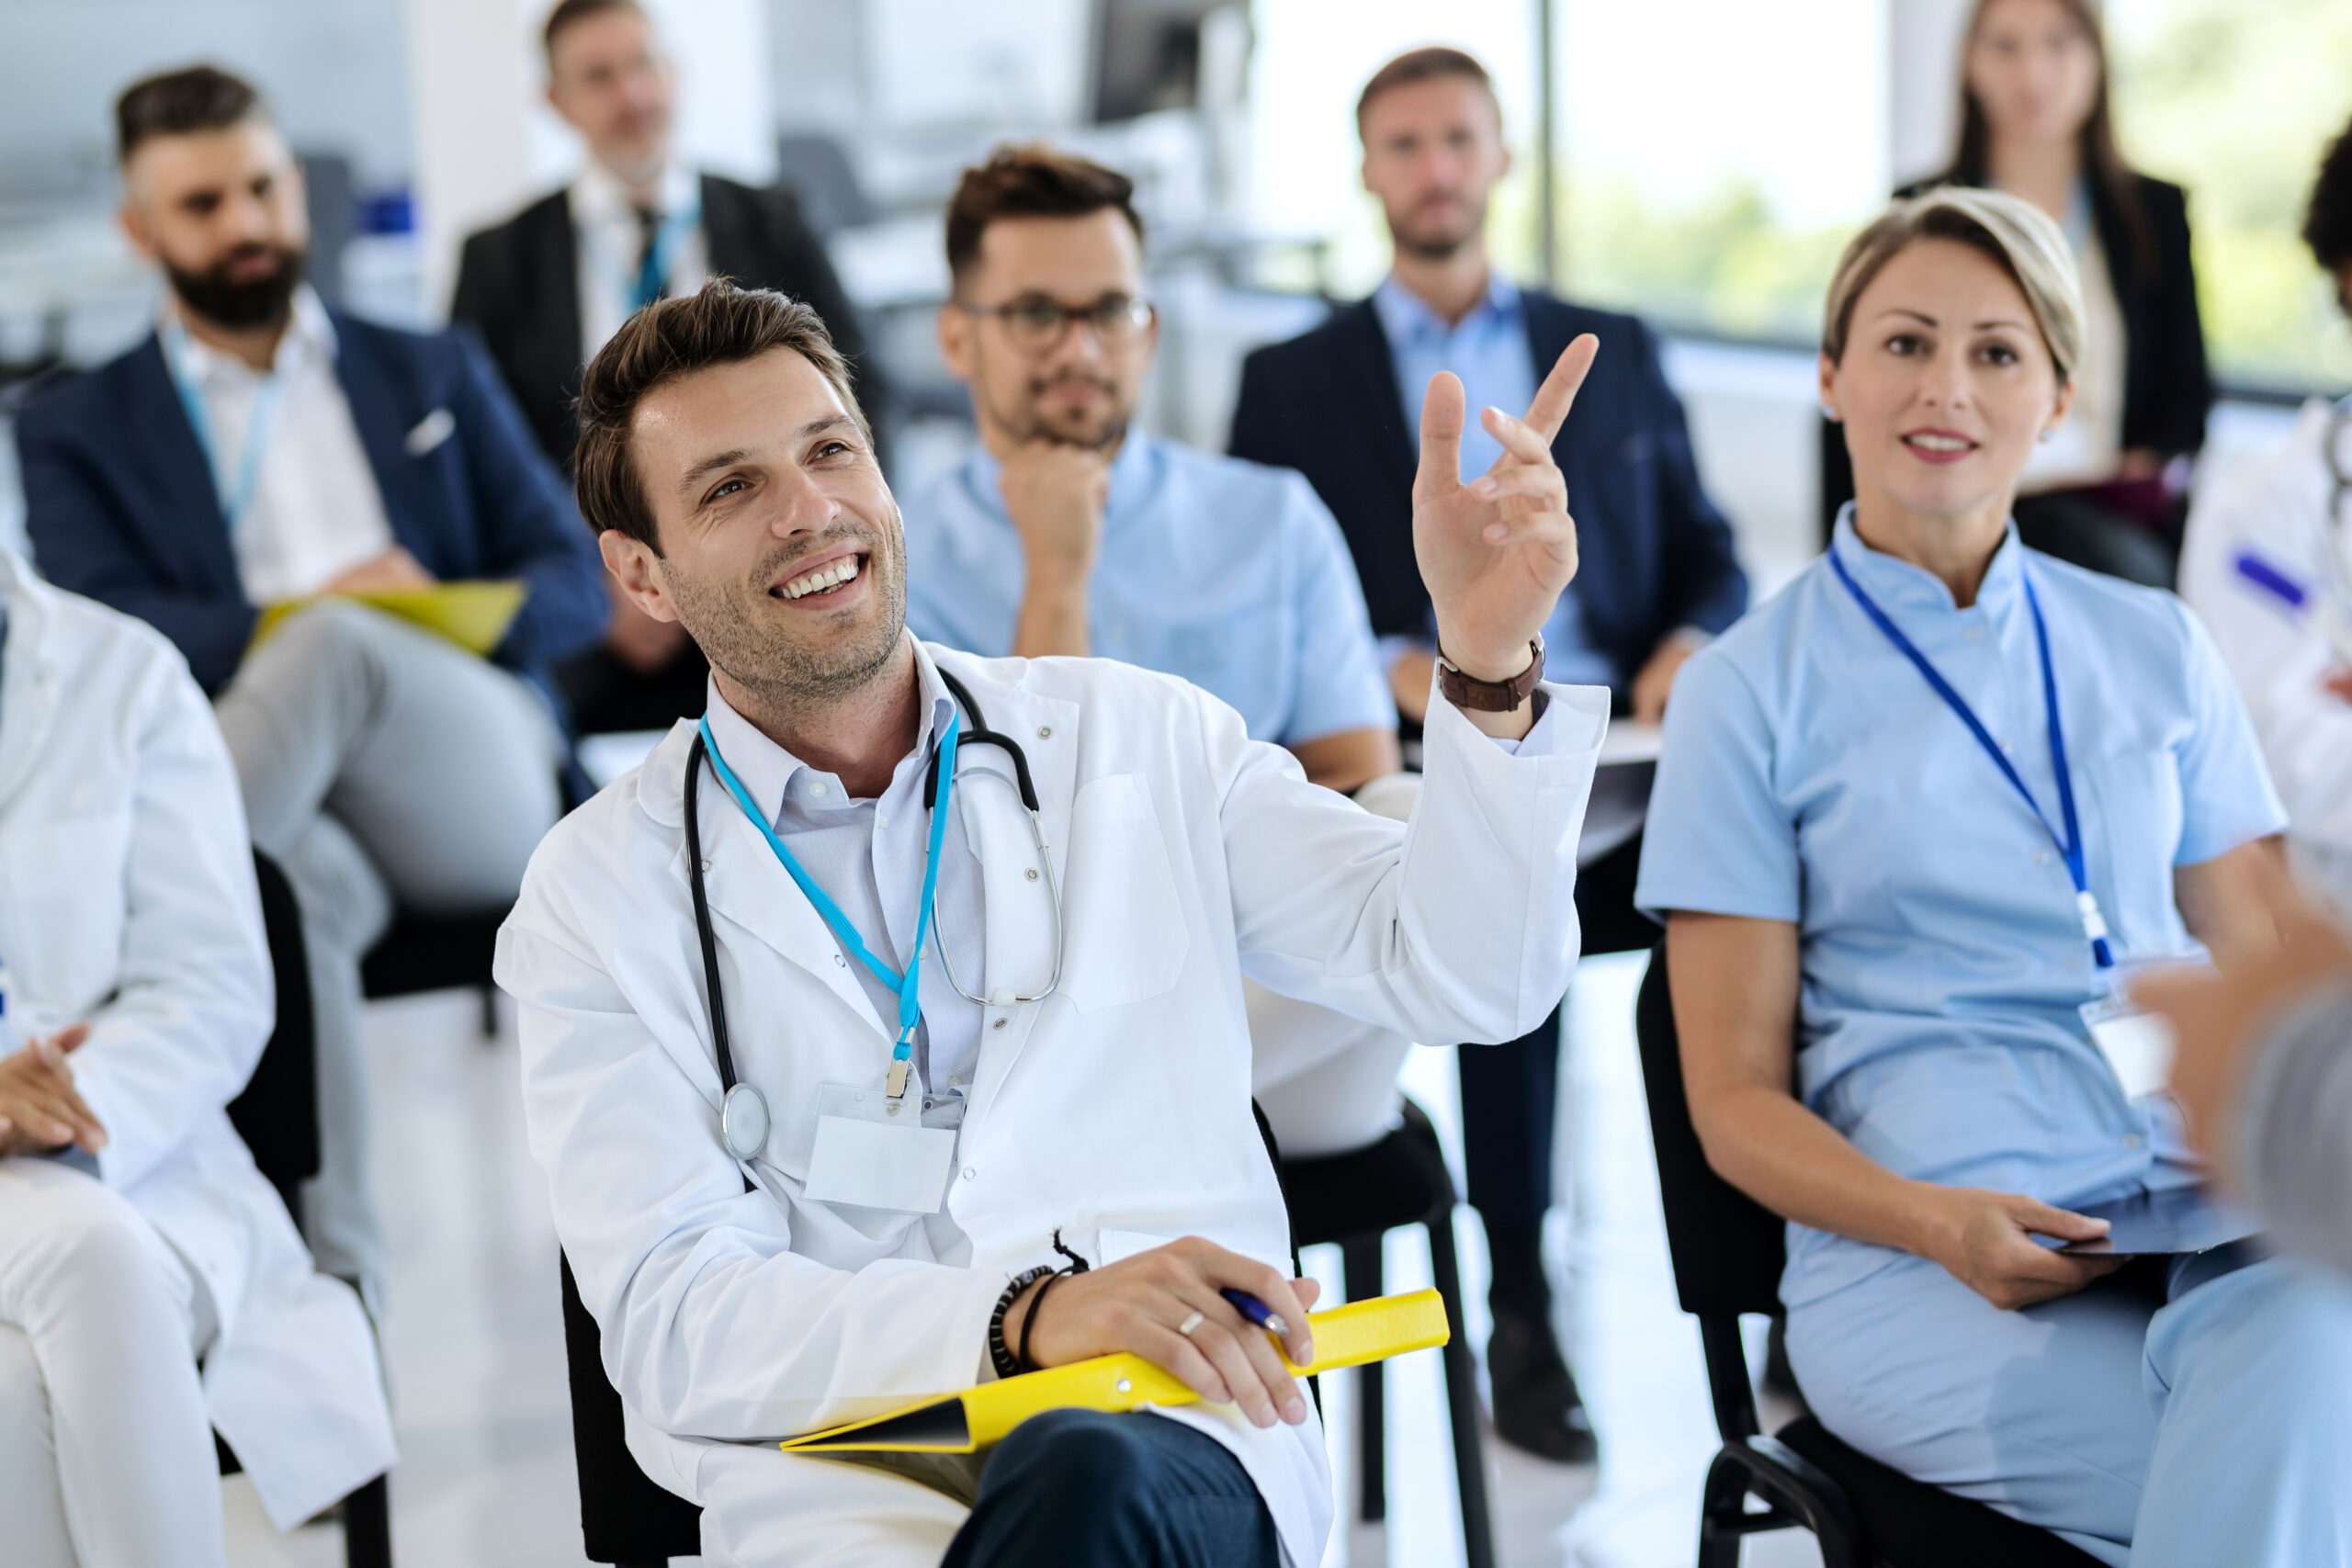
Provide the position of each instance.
(259, 449)
(1069, 532)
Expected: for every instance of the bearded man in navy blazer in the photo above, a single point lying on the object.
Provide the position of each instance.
(260, 449)
(1656, 578)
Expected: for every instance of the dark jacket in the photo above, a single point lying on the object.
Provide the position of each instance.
(2168, 391)
(1655, 553)
(120, 505)
(518, 284)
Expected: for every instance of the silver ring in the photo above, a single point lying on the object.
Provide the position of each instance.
(1190, 1323)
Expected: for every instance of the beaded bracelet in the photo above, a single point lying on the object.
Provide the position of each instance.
(1007, 1364)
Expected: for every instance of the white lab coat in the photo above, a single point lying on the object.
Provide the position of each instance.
(127, 899)
(1117, 1109)
(2277, 506)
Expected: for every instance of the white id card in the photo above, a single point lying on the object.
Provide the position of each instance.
(2138, 1045)
(877, 1152)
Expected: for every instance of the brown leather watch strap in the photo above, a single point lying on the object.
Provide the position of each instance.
(1490, 697)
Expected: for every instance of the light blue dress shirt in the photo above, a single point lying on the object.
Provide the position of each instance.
(868, 857)
(1229, 574)
(1489, 349)
(1811, 776)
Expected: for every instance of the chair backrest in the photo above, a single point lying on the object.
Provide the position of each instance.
(1727, 1247)
(278, 1113)
(624, 1515)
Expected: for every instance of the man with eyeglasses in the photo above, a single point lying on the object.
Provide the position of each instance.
(1067, 532)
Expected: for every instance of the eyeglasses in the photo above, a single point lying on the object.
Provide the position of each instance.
(1036, 323)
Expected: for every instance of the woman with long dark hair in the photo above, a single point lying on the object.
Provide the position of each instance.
(2109, 491)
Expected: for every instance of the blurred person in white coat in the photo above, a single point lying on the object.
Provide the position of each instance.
(2267, 564)
(152, 1289)
(748, 1283)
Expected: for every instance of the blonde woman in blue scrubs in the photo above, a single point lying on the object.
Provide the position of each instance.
(1913, 814)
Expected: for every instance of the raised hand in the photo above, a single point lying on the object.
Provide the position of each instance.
(1494, 554)
(40, 1109)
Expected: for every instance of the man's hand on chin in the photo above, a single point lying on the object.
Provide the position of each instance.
(1496, 554)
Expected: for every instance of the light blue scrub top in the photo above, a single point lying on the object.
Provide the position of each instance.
(1811, 776)
(1229, 574)
(1489, 350)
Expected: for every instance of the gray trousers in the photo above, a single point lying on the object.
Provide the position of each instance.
(383, 768)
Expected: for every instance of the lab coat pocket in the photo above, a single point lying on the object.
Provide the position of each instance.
(1126, 935)
(67, 881)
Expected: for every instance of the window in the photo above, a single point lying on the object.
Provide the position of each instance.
(2237, 99)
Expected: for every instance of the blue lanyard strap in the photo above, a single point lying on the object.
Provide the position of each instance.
(2070, 847)
(236, 493)
(908, 984)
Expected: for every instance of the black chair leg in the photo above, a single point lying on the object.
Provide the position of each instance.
(367, 1527)
(488, 1012)
(1720, 1508)
(1362, 1271)
(1462, 1396)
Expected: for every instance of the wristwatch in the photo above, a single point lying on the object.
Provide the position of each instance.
(1490, 697)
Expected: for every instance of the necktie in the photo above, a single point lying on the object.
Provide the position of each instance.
(652, 281)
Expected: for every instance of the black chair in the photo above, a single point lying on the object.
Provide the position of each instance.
(1354, 1199)
(277, 1116)
(625, 1518)
(1727, 1252)
(443, 952)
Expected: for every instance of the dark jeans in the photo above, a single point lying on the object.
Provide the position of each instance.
(1083, 1489)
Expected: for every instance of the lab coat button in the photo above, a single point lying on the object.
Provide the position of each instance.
(969, 1173)
(1044, 732)
(997, 1024)
(1031, 873)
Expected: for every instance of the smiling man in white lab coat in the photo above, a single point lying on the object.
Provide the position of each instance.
(742, 1300)
(136, 1239)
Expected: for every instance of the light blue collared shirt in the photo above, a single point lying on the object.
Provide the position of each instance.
(1226, 574)
(868, 857)
(1488, 350)
(1811, 776)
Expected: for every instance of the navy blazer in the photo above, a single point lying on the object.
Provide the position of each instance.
(121, 504)
(1654, 553)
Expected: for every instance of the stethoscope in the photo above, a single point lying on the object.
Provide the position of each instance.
(743, 1112)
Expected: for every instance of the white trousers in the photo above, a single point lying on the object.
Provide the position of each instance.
(106, 1451)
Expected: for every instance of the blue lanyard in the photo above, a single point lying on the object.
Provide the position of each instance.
(2069, 847)
(907, 984)
(237, 499)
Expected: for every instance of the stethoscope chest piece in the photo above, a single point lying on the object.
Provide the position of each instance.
(743, 1121)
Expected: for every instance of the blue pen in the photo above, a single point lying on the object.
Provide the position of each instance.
(1256, 1312)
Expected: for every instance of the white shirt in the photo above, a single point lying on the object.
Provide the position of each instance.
(2089, 444)
(611, 241)
(868, 857)
(315, 512)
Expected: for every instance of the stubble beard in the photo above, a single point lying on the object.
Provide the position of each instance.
(786, 674)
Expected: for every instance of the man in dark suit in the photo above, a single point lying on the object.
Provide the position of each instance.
(1656, 579)
(548, 285)
(260, 449)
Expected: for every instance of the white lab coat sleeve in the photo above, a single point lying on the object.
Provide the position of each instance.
(1460, 924)
(194, 1002)
(712, 1327)
(2278, 658)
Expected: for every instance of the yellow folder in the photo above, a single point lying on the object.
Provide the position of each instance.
(965, 1423)
(474, 615)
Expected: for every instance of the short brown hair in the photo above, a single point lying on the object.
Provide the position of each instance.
(2025, 241)
(1031, 182)
(718, 324)
(181, 103)
(567, 12)
(1425, 65)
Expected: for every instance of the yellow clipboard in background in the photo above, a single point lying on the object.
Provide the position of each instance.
(474, 615)
(965, 1423)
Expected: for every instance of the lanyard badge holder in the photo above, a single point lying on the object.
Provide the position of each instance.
(876, 1148)
(2137, 1047)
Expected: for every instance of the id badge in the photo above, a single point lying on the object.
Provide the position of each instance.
(873, 1152)
(2138, 1045)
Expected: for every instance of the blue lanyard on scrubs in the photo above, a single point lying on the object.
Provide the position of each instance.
(237, 498)
(2071, 846)
(907, 984)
